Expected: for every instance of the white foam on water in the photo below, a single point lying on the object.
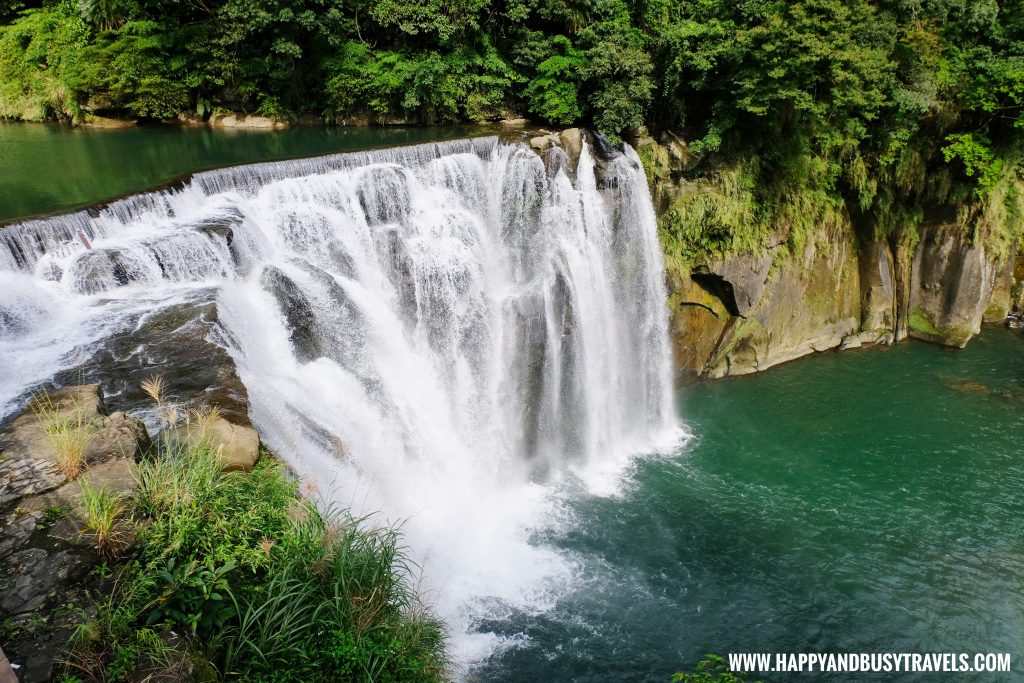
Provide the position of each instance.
(443, 335)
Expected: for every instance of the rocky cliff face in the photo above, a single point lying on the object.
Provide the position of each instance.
(746, 312)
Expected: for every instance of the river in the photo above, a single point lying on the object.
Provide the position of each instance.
(46, 168)
(863, 501)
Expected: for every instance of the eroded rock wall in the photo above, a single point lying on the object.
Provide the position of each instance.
(746, 312)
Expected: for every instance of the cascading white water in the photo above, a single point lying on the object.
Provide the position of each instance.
(445, 333)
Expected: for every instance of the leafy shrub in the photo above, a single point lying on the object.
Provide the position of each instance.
(265, 585)
(711, 669)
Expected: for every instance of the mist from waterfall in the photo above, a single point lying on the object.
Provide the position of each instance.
(452, 335)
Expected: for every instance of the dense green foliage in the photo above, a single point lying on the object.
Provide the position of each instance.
(889, 112)
(712, 669)
(881, 109)
(262, 586)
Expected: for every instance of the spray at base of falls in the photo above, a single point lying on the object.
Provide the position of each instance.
(450, 334)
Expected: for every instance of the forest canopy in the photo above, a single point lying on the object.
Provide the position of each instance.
(870, 96)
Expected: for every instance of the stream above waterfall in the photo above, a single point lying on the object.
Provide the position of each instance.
(48, 168)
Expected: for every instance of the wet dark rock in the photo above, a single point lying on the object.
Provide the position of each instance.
(219, 231)
(117, 436)
(176, 342)
(343, 262)
(298, 312)
(100, 270)
(604, 150)
(33, 574)
(399, 269)
(220, 226)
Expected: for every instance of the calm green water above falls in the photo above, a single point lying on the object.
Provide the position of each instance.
(865, 501)
(50, 168)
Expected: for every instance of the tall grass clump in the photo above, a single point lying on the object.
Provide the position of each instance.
(68, 433)
(338, 607)
(262, 584)
(104, 520)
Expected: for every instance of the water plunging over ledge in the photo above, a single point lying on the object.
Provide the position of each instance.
(446, 333)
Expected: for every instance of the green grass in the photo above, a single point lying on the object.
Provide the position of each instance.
(69, 434)
(262, 584)
(54, 514)
(103, 515)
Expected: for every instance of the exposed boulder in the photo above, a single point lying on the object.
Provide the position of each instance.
(951, 285)
(231, 120)
(542, 143)
(116, 474)
(28, 467)
(571, 141)
(239, 446)
(29, 459)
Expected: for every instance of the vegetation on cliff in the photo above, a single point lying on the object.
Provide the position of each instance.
(886, 113)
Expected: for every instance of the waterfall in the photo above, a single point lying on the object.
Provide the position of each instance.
(445, 333)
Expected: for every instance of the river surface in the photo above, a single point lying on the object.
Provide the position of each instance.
(865, 501)
(45, 168)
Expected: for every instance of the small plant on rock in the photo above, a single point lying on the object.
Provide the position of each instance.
(154, 388)
(69, 434)
(200, 420)
(54, 514)
(103, 514)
